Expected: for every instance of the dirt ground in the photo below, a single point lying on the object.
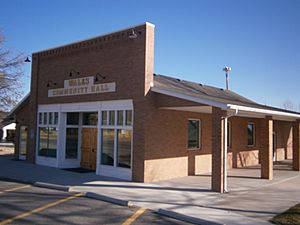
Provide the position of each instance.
(6, 150)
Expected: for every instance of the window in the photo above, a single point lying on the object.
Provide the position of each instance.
(71, 143)
(23, 140)
(73, 118)
(90, 119)
(47, 134)
(120, 117)
(193, 134)
(116, 135)
(104, 118)
(111, 118)
(128, 117)
(47, 141)
(229, 134)
(107, 154)
(124, 148)
(251, 134)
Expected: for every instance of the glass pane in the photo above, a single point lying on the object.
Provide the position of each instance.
(73, 118)
(128, 117)
(250, 132)
(104, 118)
(55, 118)
(45, 118)
(120, 117)
(124, 148)
(52, 142)
(50, 118)
(43, 141)
(111, 118)
(107, 147)
(23, 140)
(90, 118)
(71, 143)
(40, 118)
(193, 134)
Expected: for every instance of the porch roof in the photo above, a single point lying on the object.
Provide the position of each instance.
(218, 97)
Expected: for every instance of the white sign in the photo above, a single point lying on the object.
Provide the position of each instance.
(81, 86)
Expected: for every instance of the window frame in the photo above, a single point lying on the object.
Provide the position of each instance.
(199, 135)
(253, 134)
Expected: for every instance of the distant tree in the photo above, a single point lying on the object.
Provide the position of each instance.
(11, 74)
(288, 105)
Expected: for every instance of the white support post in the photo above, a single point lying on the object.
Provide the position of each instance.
(225, 134)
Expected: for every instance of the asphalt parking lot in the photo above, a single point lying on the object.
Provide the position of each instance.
(26, 204)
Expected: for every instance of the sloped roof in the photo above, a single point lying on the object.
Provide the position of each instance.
(211, 93)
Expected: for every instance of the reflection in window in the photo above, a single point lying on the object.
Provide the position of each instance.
(71, 143)
(107, 147)
(23, 140)
(193, 134)
(90, 118)
(124, 148)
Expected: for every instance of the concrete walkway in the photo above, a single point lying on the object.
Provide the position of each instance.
(250, 201)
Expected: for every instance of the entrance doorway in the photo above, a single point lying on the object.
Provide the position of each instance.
(88, 148)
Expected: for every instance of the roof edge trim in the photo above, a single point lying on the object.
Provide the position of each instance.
(263, 111)
(189, 98)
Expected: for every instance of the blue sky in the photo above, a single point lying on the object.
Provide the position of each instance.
(194, 39)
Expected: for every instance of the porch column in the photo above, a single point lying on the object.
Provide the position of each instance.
(266, 149)
(296, 145)
(217, 181)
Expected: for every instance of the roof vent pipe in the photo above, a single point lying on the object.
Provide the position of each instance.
(227, 69)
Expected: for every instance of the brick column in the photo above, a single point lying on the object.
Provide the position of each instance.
(217, 151)
(266, 149)
(296, 146)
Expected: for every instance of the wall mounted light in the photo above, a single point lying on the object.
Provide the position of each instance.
(27, 60)
(72, 72)
(132, 34)
(98, 76)
(51, 83)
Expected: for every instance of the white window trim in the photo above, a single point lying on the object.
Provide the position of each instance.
(200, 134)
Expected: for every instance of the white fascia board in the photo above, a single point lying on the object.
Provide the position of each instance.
(263, 111)
(189, 98)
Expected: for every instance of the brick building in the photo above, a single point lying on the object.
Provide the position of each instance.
(97, 104)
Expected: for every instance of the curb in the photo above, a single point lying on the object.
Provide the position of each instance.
(109, 199)
(51, 186)
(185, 218)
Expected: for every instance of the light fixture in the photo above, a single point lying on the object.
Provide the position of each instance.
(72, 72)
(132, 34)
(27, 60)
(99, 75)
(50, 82)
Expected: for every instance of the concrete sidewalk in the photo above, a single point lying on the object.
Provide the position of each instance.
(251, 200)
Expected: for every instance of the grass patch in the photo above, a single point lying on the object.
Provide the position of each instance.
(289, 217)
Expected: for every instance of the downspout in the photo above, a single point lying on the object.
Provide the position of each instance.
(225, 121)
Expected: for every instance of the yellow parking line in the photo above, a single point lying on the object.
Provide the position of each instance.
(131, 219)
(39, 209)
(15, 189)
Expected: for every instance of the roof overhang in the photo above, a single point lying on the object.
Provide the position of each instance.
(232, 109)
